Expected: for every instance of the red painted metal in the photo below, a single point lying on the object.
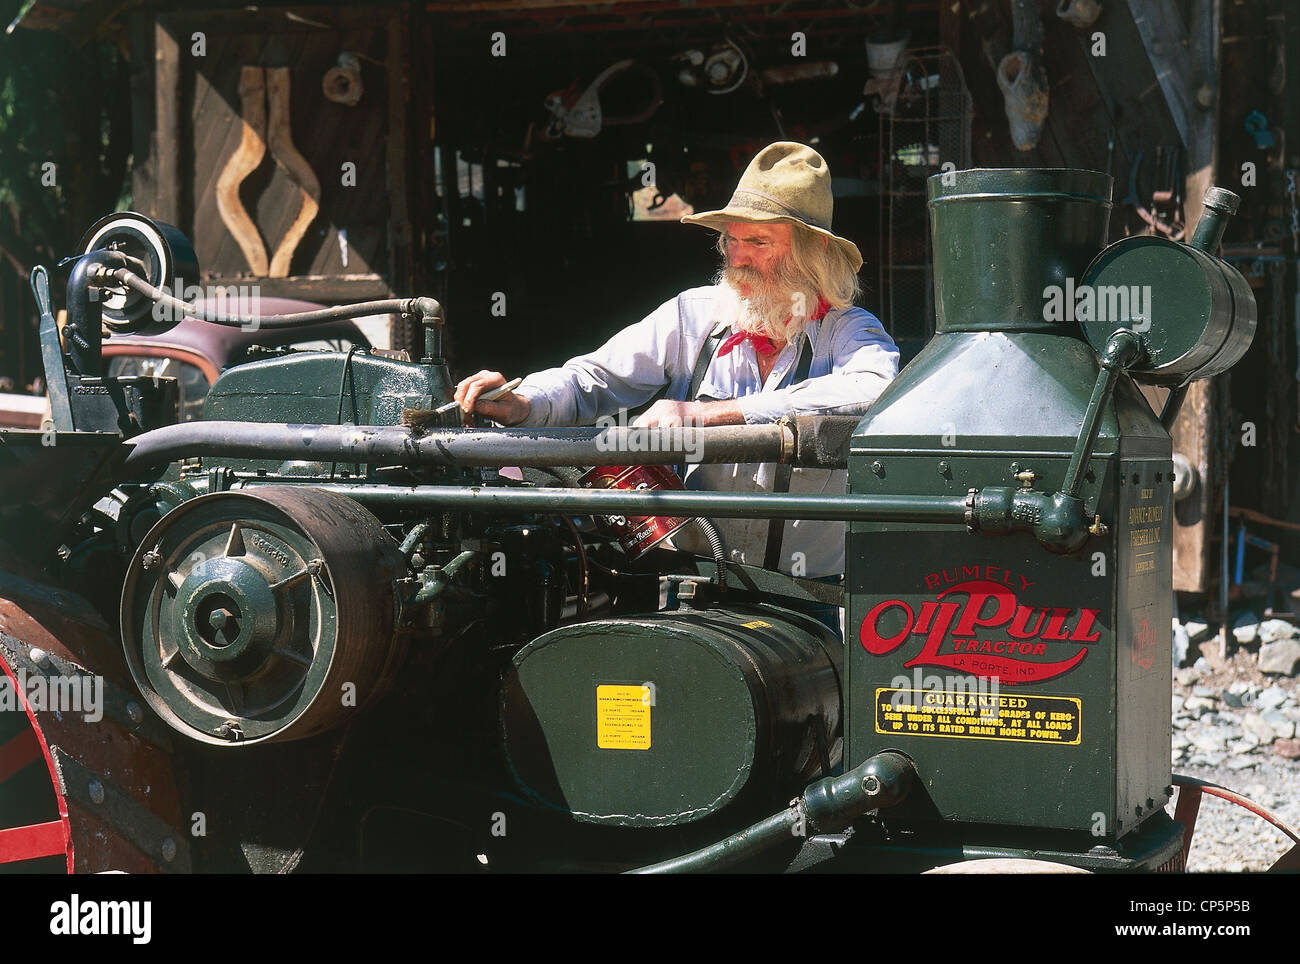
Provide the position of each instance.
(61, 801)
(37, 840)
(62, 624)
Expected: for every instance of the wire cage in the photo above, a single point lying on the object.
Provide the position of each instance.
(924, 115)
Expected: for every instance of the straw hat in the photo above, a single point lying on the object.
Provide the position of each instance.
(786, 182)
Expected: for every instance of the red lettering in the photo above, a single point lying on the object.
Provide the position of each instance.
(981, 591)
(1019, 628)
(972, 572)
(1056, 624)
(1086, 619)
(932, 581)
(937, 617)
(871, 639)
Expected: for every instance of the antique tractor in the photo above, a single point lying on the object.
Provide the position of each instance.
(327, 628)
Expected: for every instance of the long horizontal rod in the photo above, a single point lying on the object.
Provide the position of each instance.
(684, 504)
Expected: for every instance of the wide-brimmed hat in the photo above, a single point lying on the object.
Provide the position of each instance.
(786, 182)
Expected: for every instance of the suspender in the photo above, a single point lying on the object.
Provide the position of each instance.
(781, 483)
(776, 527)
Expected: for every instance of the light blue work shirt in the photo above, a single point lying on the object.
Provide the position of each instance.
(853, 360)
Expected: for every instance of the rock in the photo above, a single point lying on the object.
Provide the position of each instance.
(1198, 705)
(1242, 746)
(1271, 698)
(1280, 658)
(1180, 742)
(1245, 628)
(1211, 742)
(1258, 727)
(1204, 692)
(1185, 676)
(1181, 645)
(1177, 703)
(1203, 665)
(1271, 630)
(1287, 749)
(1241, 763)
(1283, 726)
(1233, 699)
(1197, 630)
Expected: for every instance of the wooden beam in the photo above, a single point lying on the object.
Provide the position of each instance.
(165, 141)
(327, 289)
(1195, 430)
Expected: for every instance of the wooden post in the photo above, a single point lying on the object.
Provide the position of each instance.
(165, 142)
(1185, 59)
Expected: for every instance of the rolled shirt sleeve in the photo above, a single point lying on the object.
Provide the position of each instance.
(622, 373)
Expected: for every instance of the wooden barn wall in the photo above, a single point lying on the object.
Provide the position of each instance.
(189, 110)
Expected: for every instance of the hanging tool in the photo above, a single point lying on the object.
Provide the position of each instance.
(1133, 199)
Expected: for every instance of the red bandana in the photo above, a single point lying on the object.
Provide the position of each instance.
(762, 344)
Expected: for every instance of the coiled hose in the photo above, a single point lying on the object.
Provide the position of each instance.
(719, 553)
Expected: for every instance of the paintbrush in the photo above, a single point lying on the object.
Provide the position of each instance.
(419, 419)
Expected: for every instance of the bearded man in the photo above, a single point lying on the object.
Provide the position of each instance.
(777, 334)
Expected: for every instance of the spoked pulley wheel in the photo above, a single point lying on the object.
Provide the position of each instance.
(262, 615)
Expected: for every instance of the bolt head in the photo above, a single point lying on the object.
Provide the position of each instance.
(871, 784)
(168, 849)
(151, 559)
(877, 468)
(134, 712)
(40, 657)
(218, 618)
(96, 790)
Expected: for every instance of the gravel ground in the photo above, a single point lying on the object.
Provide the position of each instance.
(1232, 724)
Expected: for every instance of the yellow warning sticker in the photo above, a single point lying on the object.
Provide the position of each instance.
(980, 716)
(623, 717)
(757, 624)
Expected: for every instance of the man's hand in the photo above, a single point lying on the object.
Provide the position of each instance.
(509, 409)
(669, 414)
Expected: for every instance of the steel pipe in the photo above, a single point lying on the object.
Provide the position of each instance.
(391, 445)
(724, 505)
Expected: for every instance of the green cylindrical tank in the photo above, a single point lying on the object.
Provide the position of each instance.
(666, 719)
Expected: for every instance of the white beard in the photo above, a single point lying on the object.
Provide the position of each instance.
(776, 312)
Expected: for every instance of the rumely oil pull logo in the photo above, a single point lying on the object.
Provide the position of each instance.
(976, 624)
